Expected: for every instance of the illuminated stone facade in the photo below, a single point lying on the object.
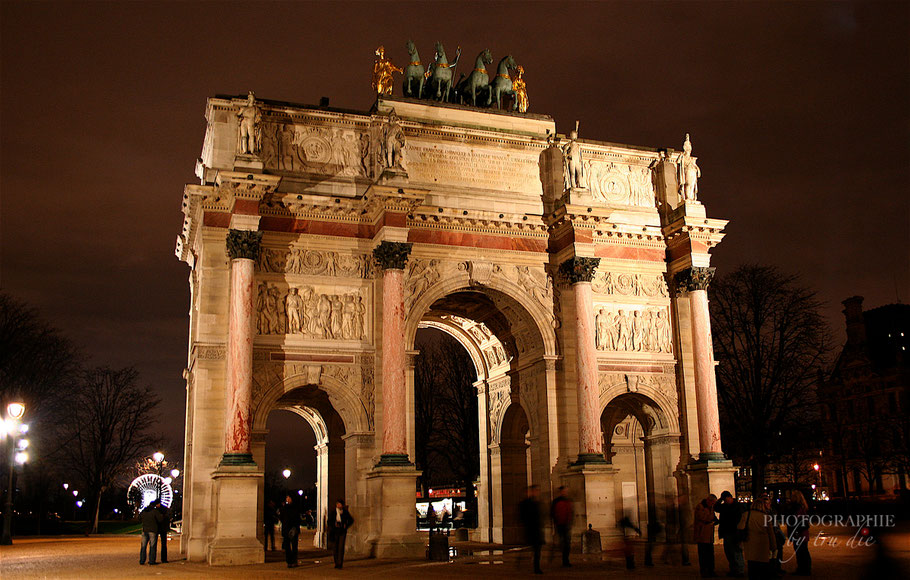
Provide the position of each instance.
(318, 251)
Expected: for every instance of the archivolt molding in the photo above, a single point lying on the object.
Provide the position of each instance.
(444, 278)
(271, 380)
(660, 389)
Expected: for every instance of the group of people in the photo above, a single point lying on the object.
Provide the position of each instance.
(530, 512)
(751, 539)
(337, 523)
(156, 523)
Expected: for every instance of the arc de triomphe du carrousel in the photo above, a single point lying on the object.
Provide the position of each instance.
(573, 271)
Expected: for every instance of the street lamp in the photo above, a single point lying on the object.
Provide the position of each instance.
(286, 473)
(16, 452)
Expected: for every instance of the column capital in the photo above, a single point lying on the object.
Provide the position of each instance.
(694, 278)
(243, 244)
(392, 255)
(579, 269)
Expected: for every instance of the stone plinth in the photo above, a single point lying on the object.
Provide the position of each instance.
(710, 476)
(392, 489)
(591, 489)
(236, 490)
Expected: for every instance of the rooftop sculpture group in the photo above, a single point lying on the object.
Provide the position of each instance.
(437, 81)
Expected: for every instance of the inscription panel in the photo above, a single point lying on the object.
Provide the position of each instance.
(465, 166)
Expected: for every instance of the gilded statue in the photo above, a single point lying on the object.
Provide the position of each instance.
(687, 172)
(250, 126)
(382, 73)
(521, 91)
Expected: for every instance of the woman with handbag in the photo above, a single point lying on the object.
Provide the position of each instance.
(757, 538)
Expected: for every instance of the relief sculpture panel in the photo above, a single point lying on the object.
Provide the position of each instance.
(315, 263)
(624, 185)
(312, 149)
(625, 284)
(305, 312)
(633, 330)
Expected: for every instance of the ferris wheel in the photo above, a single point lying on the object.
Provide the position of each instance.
(147, 488)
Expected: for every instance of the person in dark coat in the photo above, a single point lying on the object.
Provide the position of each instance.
(339, 521)
(151, 519)
(269, 519)
(163, 530)
(561, 514)
(799, 533)
(703, 528)
(529, 512)
(729, 512)
(290, 530)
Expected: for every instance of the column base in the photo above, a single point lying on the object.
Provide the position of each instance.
(229, 459)
(707, 476)
(236, 497)
(392, 492)
(711, 456)
(590, 459)
(394, 460)
(592, 489)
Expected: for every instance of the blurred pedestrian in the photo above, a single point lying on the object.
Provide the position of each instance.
(269, 519)
(339, 521)
(529, 512)
(163, 529)
(703, 530)
(627, 528)
(561, 514)
(757, 538)
(729, 513)
(289, 516)
(151, 519)
(799, 533)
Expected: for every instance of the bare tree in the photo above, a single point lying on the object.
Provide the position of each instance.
(446, 412)
(107, 429)
(770, 341)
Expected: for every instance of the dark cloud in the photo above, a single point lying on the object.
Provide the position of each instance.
(797, 113)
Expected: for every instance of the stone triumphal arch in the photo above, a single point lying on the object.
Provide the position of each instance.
(320, 240)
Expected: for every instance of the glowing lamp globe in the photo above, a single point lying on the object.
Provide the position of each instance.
(15, 410)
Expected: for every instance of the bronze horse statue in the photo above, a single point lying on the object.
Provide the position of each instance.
(478, 80)
(502, 83)
(413, 73)
(442, 72)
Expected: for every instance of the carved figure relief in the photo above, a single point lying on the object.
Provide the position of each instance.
(421, 275)
(315, 263)
(609, 183)
(325, 150)
(624, 284)
(305, 312)
(645, 330)
(366, 388)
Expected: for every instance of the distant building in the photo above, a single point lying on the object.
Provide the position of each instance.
(867, 403)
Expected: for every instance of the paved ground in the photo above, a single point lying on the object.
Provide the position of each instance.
(117, 557)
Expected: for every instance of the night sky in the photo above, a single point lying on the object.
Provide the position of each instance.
(798, 114)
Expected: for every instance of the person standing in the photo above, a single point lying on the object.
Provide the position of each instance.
(758, 539)
(290, 530)
(561, 514)
(729, 512)
(339, 522)
(529, 512)
(163, 529)
(151, 519)
(269, 519)
(703, 528)
(799, 533)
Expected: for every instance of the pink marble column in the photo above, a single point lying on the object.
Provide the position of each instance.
(392, 258)
(697, 280)
(243, 247)
(580, 272)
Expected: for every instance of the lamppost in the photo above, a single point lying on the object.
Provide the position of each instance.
(158, 458)
(12, 429)
(818, 473)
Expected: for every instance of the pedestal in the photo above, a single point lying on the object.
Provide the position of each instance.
(710, 476)
(592, 491)
(392, 492)
(236, 494)
(246, 162)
